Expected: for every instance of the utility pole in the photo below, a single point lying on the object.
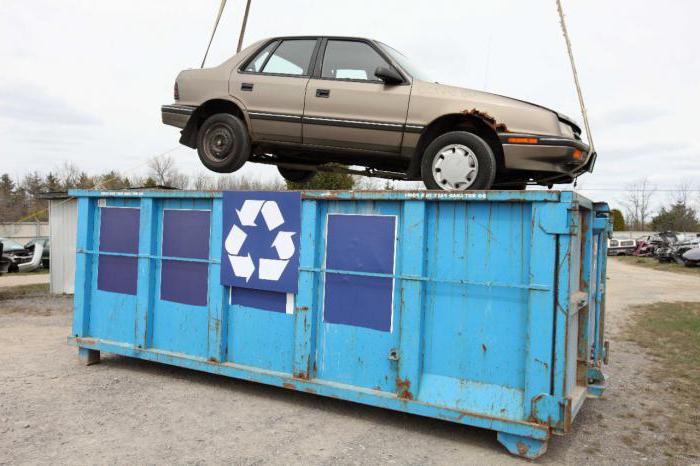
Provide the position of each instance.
(245, 21)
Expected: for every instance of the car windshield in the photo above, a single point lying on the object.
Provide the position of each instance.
(405, 63)
(9, 245)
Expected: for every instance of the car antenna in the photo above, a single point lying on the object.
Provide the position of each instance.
(565, 31)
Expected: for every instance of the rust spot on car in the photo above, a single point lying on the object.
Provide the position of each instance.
(302, 308)
(488, 119)
(403, 388)
(212, 359)
(289, 386)
(310, 390)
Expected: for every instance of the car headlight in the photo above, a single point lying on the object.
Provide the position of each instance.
(566, 130)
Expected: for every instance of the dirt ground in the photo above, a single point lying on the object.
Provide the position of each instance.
(124, 411)
(18, 279)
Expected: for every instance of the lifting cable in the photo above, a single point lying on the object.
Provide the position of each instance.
(216, 24)
(576, 81)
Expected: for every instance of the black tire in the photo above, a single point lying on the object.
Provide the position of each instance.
(486, 170)
(223, 143)
(296, 176)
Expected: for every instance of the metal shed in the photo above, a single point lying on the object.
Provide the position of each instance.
(63, 222)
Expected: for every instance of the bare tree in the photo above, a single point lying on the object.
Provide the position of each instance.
(203, 182)
(682, 193)
(69, 175)
(638, 203)
(164, 171)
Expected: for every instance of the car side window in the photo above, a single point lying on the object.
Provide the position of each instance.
(257, 63)
(345, 59)
(291, 57)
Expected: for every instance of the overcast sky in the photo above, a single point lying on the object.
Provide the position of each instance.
(83, 81)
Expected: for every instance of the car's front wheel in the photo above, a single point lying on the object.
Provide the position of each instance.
(458, 161)
(223, 143)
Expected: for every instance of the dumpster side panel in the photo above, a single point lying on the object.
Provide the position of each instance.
(476, 307)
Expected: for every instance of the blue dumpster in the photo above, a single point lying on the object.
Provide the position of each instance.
(480, 308)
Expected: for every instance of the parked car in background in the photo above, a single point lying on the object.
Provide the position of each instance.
(621, 247)
(691, 257)
(299, 102)
(46, 251)
(4, 261)
(26, 258)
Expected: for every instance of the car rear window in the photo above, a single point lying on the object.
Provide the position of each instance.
(350, 60)
(291, 57)
(257, 63)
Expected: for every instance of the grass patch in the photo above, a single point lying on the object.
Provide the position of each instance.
(23, 291)
(671, 332)
(652, 263)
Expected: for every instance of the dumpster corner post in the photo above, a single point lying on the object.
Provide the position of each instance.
(88, 356)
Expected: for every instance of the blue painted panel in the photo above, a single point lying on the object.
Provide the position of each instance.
(186, 233)
(260, 339)
(358, 301)
(354, 354)
(261, 240)
(184, 282)
(180, 318)
(119, 233)
(119, 230)
(481, 242)
(360, 243)
(259, 299)
(115, 319)
(117, 274)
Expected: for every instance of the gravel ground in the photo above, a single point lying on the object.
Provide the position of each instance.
(53, 410)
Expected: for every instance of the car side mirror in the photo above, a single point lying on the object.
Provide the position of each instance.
(388, 75)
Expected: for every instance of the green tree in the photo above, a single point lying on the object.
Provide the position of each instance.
(678, 217)
(618, 220)
(149, 183)
(325, 180)
(52, 184)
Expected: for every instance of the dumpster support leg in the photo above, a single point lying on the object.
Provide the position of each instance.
(525, 447)
(88, 356)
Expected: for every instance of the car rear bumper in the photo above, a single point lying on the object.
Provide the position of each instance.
(176, 115)
(545, 154)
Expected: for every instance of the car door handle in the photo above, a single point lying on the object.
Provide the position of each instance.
(323, 93)
(246, 86)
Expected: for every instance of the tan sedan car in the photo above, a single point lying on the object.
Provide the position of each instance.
(300, 102)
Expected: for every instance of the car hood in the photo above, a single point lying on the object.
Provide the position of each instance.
(504, 107)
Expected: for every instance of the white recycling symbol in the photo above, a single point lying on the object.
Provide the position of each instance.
(244, 266)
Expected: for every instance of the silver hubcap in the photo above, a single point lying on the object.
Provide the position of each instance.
(455, 167)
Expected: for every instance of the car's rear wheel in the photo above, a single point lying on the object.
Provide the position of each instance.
(458, 161)
(296, 176)
(223, 143)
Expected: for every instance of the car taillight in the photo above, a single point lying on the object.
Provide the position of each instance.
(176, 92)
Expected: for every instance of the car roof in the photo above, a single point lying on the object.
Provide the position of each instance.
(312, 36)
